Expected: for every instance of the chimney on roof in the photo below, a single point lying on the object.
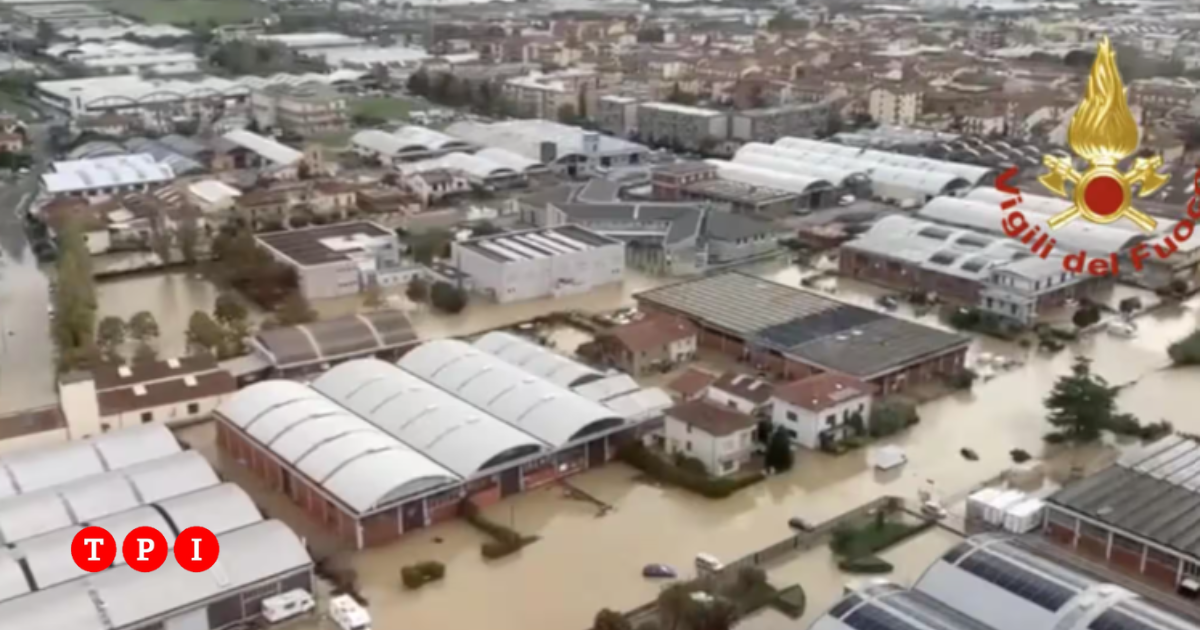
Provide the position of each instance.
(189, 380)
(139, 390)
(173, 363)
(837, 385)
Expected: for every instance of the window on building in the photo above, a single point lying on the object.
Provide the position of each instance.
(688, 444)
(193, 409)
(689, 428)
(791, 415)
(830, 420)
(147, 417)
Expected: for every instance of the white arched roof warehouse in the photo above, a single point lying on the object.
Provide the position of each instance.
(782, 159)
(355, 461)
(449, 431)
(536, 359)
(1075, 236)
(969, 172)
(770, 178)
(551, 413)
(27, 471)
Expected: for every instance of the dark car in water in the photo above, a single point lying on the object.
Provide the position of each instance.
(658, 571)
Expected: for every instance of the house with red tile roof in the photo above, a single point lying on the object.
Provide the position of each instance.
(650, 343)
(822, 410)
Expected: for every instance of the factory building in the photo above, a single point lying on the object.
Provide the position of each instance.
(796, 333)
(1140, 516)
(991, 582)
(122, 480)
(374, 450)
(544, 262)
(338, 260)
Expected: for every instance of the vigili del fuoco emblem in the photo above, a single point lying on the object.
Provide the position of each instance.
(1103, 131)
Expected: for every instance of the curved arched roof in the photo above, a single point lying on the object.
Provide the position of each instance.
(770, 178)
(882, 605)
(551, 413)
(789, 161)
(1043, 205)
(85, 500)
(536, 359)
(969, 172)
(27, 471)
(351, 458)
(449, 431)
(928, 182)
(473, 165)
(1072, 237)
(428, 138)
(504, 157)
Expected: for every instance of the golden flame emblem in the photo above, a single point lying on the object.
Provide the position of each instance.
(1103, 131)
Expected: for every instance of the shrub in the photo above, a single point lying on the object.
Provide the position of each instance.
(690, 464)
(1156, 430)
(873, 565)
(1130, 305)
(963, 379)
(1186, 351)
(504, 541)
(637, 455)
(608, 619)
(1086, 315)
(417, 575)
(892, 416)
(1019, 456)
(791, 601)
(447, 298)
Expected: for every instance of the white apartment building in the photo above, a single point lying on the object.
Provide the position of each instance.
(816, 412)
(304, 110)
(540, 95)
(720, 438)
(546, 262)
(340, 259)
(681, 125)
(898, 105)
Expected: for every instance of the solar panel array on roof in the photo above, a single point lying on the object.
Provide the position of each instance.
(871, 617)
(1016, 580)
(847, 604)
(804, 329)
(934, 233)
(974, 264)
(943, 258)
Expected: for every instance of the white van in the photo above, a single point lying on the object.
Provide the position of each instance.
(708, 563)
(287, 605)
(347, 614)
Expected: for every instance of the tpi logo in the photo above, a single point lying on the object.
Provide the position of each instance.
(144, 549)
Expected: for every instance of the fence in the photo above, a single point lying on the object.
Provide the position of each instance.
(797, 543)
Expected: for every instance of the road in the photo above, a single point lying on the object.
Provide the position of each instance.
(27, 372)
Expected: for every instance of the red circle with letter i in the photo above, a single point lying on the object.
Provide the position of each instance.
(197, 549)
(93, 549)
(144, 549)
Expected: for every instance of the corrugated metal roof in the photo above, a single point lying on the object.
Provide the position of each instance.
(354, 460)
(551, 413)
(449, 431)
(536, 359)
(219, 509)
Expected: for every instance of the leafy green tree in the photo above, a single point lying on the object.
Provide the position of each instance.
(608, 619)
(763, 431)
(144, 354)
(427, 247)
(294, 310)
(110, 336)
(417, 290)
(567, 114)
(447, 298)
(143, 327)
(235, 339)
(74, 300)
(1086, 315)
(1082, 405)
(204, 335)
(229, 310)
(779, 455)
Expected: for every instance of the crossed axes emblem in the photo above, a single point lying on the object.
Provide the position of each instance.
(1144, 174)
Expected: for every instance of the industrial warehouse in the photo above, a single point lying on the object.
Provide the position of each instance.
(120, 481)
(992, 582)
(796, 333)
(374, 450)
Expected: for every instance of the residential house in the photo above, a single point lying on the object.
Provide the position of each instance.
(720, 438)
(649, 344)
(691, 385)
(819, 411)
(742, 392)
(116, 396)
(435, 185)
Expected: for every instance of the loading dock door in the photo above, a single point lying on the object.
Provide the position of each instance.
(595, 453)
(510, 482)
(413, 516)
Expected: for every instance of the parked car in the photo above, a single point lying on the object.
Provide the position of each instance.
(800, 524)
(888, 302)
(933, 509)
(659, 571)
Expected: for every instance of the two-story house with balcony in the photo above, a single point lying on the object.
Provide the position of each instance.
(819, 411)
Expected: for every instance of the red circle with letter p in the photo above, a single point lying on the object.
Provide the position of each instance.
(197, 549)
(144, 549)
(93, 549)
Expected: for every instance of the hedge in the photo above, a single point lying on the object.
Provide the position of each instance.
(637, 455)
(504, 540)
(791, 601)
(865, 565)
(417, 575)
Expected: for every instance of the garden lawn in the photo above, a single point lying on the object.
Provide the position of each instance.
(187, 12)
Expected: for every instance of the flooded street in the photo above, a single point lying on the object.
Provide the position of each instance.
(584, 563)
(170, 297)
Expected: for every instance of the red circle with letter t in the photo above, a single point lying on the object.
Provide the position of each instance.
(93, 549)
(197, 549)
(144, 549)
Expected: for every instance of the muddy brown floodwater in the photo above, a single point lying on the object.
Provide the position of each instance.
(584, 563)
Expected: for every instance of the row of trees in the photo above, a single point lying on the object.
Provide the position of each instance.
(74, 301)
(112, 333)
(242, 265)
(443, 296)
(223, 333)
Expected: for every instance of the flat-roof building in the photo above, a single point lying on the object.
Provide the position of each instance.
(795, 332)
(375, 450)
(682, 126)
(337, 260)
(543, 262)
